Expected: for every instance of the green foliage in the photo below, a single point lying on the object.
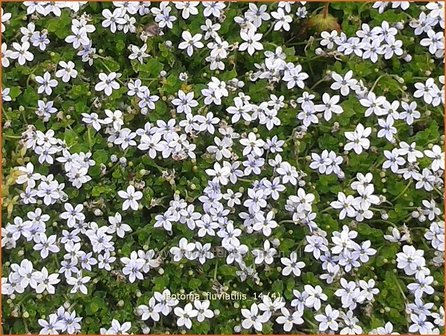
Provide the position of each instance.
(111, 297)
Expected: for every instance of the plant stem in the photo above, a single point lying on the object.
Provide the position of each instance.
(318, 82)
(325, 12)
(89, 137)
(12, 136)
(215, 270)
(402, 192)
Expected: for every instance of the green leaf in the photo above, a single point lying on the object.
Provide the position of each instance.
(151, 68)
(227, 270)
(101, 156)
(70, 137)
(194, 283)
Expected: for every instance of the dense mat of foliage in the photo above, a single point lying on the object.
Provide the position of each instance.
(222, 167)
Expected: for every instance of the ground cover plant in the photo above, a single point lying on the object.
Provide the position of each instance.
(217, 167)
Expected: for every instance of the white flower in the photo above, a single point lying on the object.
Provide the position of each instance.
(328, 39)
(434, 41)
(282, 20)
(67, 72)
(45, 281)
(184, 315)
(73, 214)
(358, 139)
(420, 325)
(410, 114)
(51, 326)
(46, 245)
(163, 16)
(79, 37)
(21, 53)
(251, 41)
(108, 83)
(92, 119)
(152, 144)
(131, 198)
(113, 19)
(288, 172)
(165, 302)
(118, 328)
(410, 259)
(220, 173)
(329, 106)
(165, 220)
(372, 50)
(289, 319)
(437, 155)
(252, 144)
(264, 255)
(78, 283)
(203, 311)
(138, 53)
(292, 265)
(265, 223)
(187, 8)
(40, 40)
(117, 226)
(396, 236)
(375, 105)
(315, 296)
(393, 160)
(425, 180)
(185, 102)
(190, 42)
(125, 138)
(149, 311)
(257, 14)
(229, 235)
(344, 84)
(253, 318)
(410, 150)
(133, 266)
(210, 29)
(213, 8)
(422, 285)
(328, 320)
(184, 249)
(428, 90)
(5, 18)
(6, 55)
(115, 118)
(387, 129)
(295, 77)
(27, 175)
(46, 83)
